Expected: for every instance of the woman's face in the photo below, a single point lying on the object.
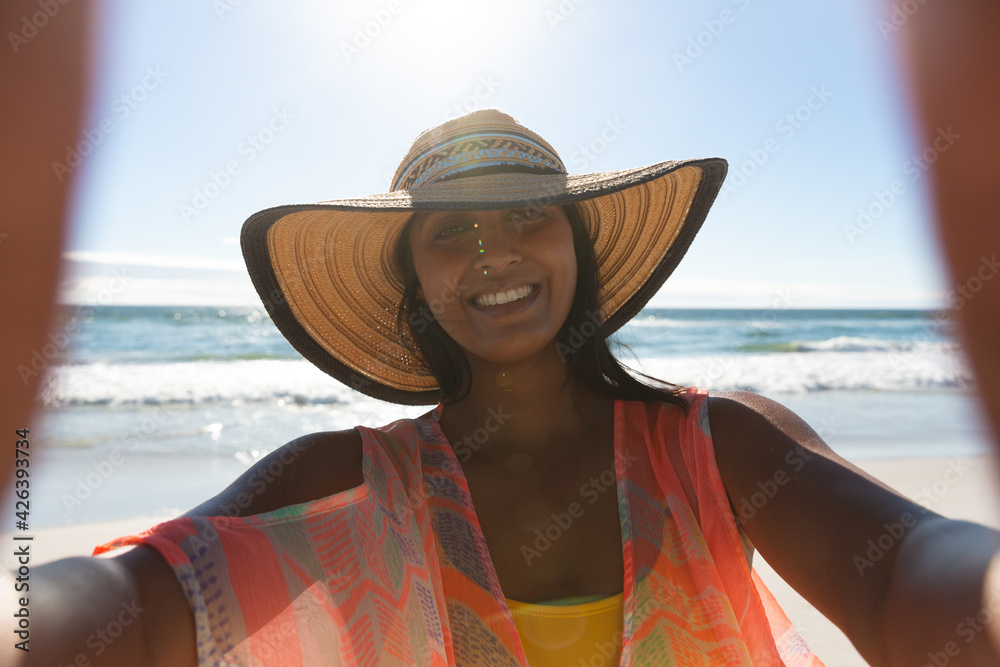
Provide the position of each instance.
(500, 282)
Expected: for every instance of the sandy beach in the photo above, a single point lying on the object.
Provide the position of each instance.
(967, 492)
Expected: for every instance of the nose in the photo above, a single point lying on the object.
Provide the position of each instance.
(499, 245)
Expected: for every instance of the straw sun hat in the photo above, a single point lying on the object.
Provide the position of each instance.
(329, 280)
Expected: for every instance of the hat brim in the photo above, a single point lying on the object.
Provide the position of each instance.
(327, 275)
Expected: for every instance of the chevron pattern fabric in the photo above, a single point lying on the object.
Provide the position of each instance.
(397, 572)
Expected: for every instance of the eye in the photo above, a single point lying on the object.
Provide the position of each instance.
(450, 227)
(527, 215)
(449, 230)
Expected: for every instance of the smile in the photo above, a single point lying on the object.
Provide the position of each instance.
(508, 296)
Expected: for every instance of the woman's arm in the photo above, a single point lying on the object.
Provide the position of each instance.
(898, 579)
(129, 609)
(123, 611)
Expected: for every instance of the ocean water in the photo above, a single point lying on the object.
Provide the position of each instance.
(154, 409)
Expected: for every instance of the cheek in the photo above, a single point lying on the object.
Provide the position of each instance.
(439, 288)
(423, 267)
(433, 282)
(567, 272)
(571, 280)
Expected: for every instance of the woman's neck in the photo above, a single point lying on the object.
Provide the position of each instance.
(526, 407)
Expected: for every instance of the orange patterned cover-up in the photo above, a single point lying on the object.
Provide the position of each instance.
(396, 571)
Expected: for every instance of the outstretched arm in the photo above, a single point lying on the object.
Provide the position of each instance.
(122, 611)
(910, 596)
(130, 610)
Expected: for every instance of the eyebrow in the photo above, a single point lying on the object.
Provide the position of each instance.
(418, 222)
(420, 218)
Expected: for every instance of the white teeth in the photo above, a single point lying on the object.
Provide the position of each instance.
(501, 298)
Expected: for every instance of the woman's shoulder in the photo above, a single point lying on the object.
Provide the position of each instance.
(311, 467)
(307, 468)
(748, 428)
(739, 410)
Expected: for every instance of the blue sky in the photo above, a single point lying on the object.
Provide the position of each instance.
(204, 112)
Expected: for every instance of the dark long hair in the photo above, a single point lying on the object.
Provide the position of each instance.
(585, 349)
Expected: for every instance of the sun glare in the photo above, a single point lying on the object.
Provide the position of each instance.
(443, 44)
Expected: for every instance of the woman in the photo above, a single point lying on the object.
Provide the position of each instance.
(487, 282)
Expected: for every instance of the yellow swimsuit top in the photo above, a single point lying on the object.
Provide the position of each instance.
(584, 630)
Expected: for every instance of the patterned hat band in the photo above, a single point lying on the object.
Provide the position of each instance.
(452, 151)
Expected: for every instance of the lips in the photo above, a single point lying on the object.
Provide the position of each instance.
(502, 297)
